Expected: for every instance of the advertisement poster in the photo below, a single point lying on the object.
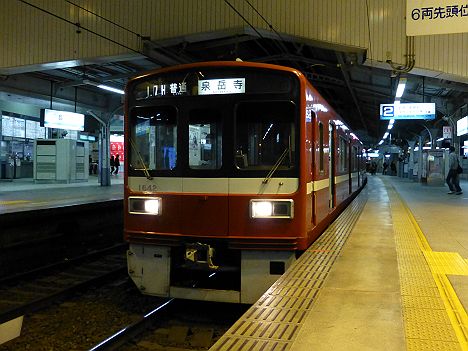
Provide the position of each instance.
(117, 147)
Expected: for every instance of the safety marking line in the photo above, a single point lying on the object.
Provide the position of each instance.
(14, 202)
(434, 316)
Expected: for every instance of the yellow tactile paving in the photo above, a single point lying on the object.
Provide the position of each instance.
(15, 202)
(446, 262)
(434, 317)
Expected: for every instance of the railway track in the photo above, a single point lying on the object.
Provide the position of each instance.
(174, 324)
(137, 328)
(28, 292)
(92, 305)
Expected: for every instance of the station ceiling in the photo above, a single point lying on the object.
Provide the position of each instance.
(353, 88)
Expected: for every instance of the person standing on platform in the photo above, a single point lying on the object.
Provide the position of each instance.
(116, 164)
(453, 179)
(385, 166)
(112, 164)
(393, 168)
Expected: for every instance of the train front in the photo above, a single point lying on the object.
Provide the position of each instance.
(212, 193)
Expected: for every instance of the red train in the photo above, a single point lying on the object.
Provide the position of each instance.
(232, 169)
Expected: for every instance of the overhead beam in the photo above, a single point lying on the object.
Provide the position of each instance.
(37, 92)
(350, 88)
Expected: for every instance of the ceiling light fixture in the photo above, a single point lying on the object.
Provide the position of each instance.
(400, 88)
(114, 90)
(103, 86)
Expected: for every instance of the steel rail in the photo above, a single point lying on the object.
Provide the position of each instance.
(131, 331)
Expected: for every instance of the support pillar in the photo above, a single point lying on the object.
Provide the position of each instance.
(104, 152)
(420, 158)
(411, 159)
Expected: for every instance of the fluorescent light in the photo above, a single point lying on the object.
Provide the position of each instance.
(103, 86)
(114, 90)
(385, 135)
(401, 88)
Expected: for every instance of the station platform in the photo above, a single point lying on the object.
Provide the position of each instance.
(24, 194)
(391, 273)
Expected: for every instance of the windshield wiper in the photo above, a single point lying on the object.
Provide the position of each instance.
(276, 165)
(145, 170)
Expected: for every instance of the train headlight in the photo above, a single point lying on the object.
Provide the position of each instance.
(144, 205)
(265, 208)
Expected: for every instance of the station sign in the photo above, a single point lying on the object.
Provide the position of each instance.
(62, 119)
(407, 111)
(428, 17)
(447, 132)
(462, 126)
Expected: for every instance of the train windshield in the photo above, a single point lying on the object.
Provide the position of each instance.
(214, 122)
(153, 139)
(265, 135)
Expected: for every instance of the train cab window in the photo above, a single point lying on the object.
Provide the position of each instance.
(321, 150)
(205, 139)
(153, 138)
(265, 135)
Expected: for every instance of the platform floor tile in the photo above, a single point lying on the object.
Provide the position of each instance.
(274, 321)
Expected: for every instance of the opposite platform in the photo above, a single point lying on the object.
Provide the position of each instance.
(382, 287)
(24, 195)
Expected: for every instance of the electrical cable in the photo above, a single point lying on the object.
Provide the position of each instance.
(282, 47)
(105, 19)
(250, 25)
(81, 27)
(368, 30)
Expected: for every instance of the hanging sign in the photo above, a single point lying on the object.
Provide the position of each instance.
(428, 17)
(407, 111)
(447, 132)
(462, 126)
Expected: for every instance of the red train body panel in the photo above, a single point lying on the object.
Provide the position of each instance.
(232, 169)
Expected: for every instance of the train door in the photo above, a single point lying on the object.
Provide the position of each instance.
(315, 172)
(331, 164)
(204, 210)
(357, 165)
(350, 149)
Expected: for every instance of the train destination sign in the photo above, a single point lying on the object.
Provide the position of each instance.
(221, 86)
(161, 88)
(407, 111)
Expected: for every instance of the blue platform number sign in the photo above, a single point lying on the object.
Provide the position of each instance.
(387, 111)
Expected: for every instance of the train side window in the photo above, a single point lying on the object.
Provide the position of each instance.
(321, 151)
(205, 139)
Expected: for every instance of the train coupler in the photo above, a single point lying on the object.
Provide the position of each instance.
(200, 254)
